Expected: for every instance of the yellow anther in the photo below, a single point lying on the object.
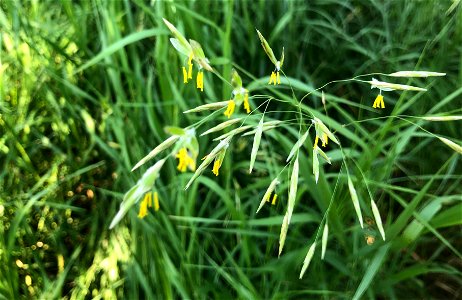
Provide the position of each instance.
(156, 201)
(246, 103)
(190, 71)
(149, 199)
(185, 75)
(274, 199)
(143, 207)
(272, 78)
(325, 139)
(378, 102)
(216, 167)
(185, 161)
(200, 80)
(230, 110)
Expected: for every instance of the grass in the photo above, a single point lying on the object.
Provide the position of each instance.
(87, 87)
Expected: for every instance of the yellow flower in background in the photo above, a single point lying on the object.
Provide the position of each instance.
(230, 110)
(185, 160)
(378, 103)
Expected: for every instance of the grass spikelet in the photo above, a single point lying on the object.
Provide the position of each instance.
(315, 164)
(282, 236)
(416, 74)
(267, 48)
(221, 126)
(319, 125)
(208, 106)
(233, 132)
(309, 256)
(442, 118)
(161, 147)
(256, 144)
(268, 192)
(451, 144)
(297, 145)
(208, 159)
(387, 86)
(325, 235)
(293, 189)
(354, 198)
(143, 185)
(378, 220)
(266, 126)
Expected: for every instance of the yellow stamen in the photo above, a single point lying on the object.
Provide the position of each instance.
(325, 140)
(278, 78)
(190, 71)
(143, 208)
(200, 80)
(149, 199)
(274, 199)
(272, 78)
(216, 167)
(185, 161)
(246, 103)
(316, 142)
(185, 75)
(378, 102)
(156, 201)
(230, 110)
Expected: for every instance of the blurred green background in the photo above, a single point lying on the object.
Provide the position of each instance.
(86, 88)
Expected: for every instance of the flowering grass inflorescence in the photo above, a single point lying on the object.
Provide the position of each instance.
(186, 148)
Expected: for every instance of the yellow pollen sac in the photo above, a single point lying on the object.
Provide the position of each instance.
(149, 199)
(378, 103)
(274, 199)
(185, 75)
(230, 110)
(316, 142)
(200, 81)
(246, 103)
(325, 140)
(185, 161)
(189, 71)
(216, 167)
(272, 78)
(156, 201)
(143, 207)
(278, 78)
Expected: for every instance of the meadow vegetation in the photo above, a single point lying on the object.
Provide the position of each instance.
(87, 89)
